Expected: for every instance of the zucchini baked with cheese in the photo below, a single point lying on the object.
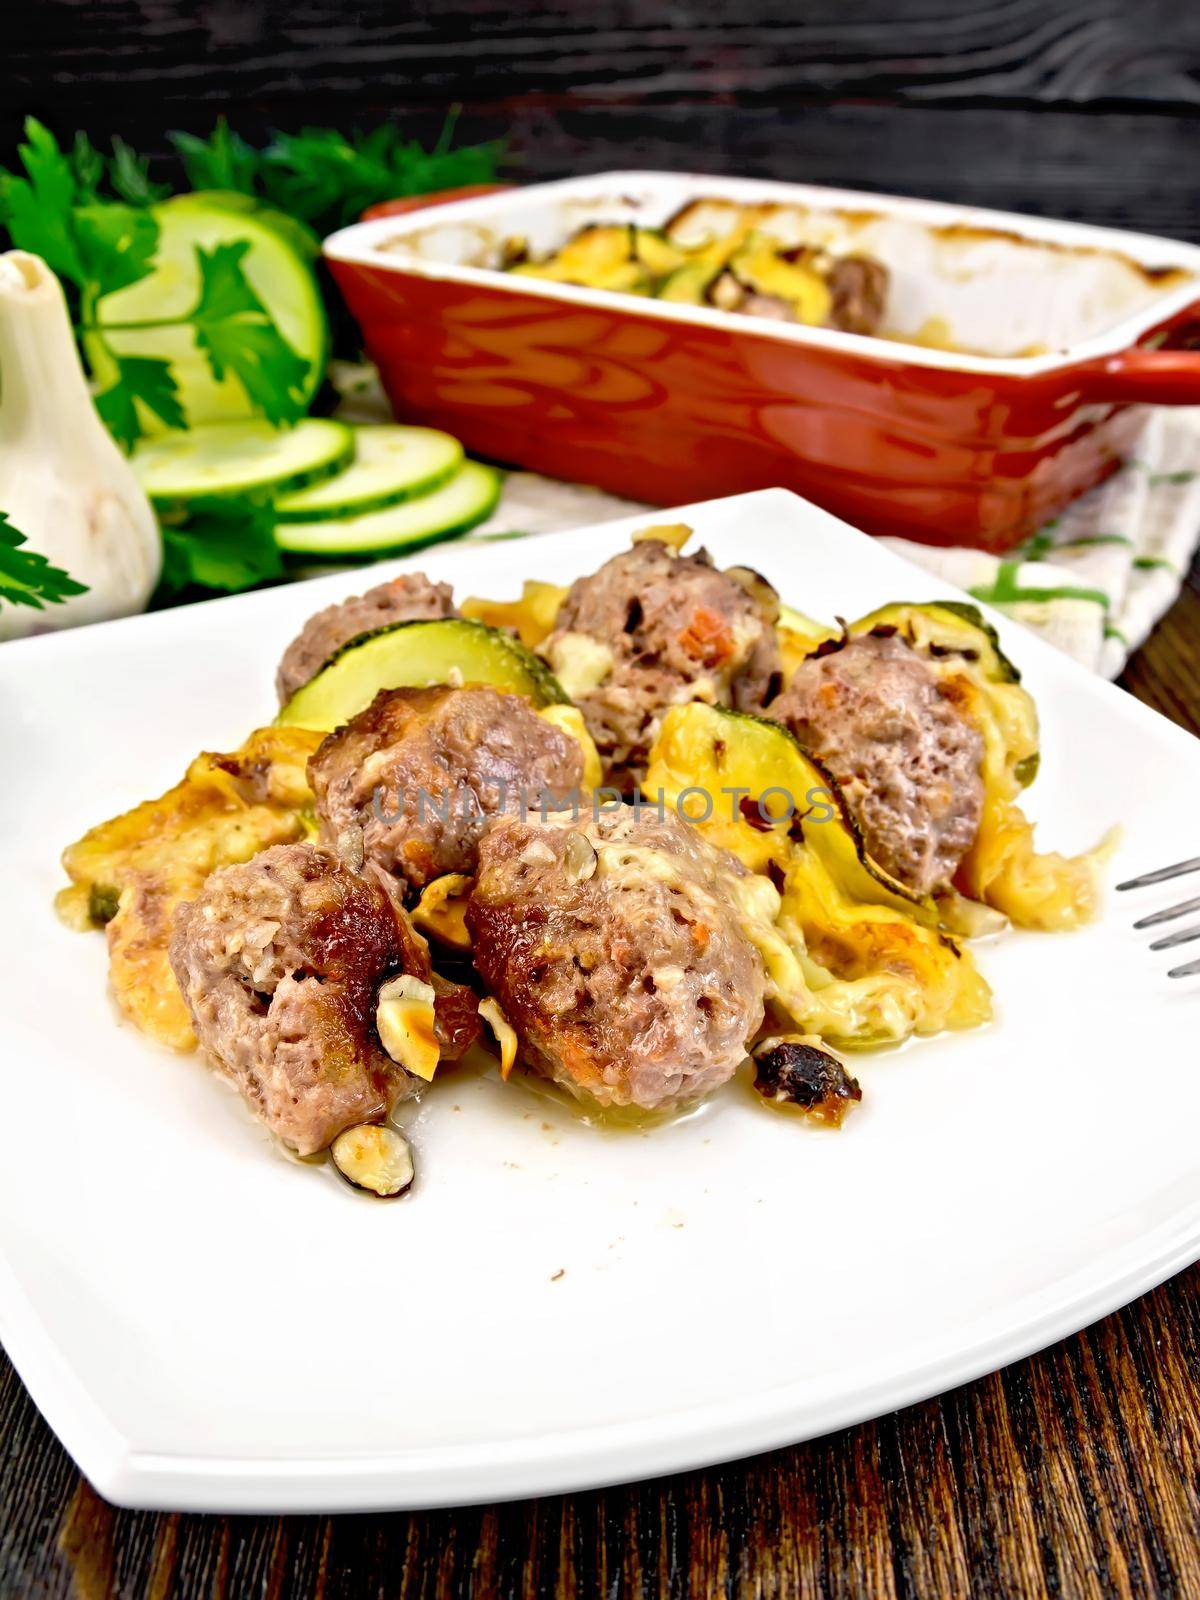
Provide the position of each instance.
(743, 269)
(637, 831)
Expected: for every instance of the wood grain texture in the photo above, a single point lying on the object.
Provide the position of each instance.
(1081, 52)
(1076, 1473)
(1005, 103)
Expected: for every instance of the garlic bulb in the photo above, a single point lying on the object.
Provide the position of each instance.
(63, 482)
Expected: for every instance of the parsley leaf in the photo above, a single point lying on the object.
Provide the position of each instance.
(27, 579)
(116, 244)
(37, 208)
(220, 546)
(87, 165)
(129, 174)
(325, 178)
(237, 335)
(144, 378)
(222, 161)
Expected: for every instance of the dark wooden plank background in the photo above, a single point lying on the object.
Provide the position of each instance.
(1075, 1473)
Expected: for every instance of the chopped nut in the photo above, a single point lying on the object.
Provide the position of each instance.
(377, 1160)
(404, 1019)
(504, 1032)
(676, 534)
(350, 848)
(441, 909)
(579, 857)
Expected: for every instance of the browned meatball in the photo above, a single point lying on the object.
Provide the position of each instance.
(408, 782)
(615, 952)
(409, 598)
(653, 628)
(859, 286)
(906, 757)
(279, 960)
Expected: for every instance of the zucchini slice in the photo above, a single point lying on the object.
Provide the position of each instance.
(849, 952)
(276, 270)
(458, 504)
(391, 464)
(945, 628)
(416, 654)
(717, 752)
(240, 460)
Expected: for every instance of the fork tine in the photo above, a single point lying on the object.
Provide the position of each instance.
(1161, 876)
(1188, 971)
(1169, 914)
(1184, 936)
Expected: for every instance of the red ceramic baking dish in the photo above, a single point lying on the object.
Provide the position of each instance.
(1015, 352)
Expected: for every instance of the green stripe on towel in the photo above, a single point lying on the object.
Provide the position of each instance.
(1006, 591)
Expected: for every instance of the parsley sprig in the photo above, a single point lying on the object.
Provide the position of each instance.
(28, 579)
(97, 244)
(222, 545)
(325, 178)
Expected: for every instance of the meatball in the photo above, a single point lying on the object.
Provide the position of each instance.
(613, 946)
(651, 629)
(409, 782)
(409, 598)
(907, 759)
(279, 960)
(859, 286)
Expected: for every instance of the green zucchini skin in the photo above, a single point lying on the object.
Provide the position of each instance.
(417, 654)
(332, 450)
(893, 891)
(381, 533)
(339, 502)
(992, 659)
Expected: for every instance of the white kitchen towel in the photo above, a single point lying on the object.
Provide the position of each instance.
(1093, 582)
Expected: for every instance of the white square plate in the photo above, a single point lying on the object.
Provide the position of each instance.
(209, 1327)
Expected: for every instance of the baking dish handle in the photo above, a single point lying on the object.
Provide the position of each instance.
(440, 197)
(1158, 377)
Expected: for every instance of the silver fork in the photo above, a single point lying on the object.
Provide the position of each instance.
(1184, 935)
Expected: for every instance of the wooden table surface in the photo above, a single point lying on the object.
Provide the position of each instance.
(1074, 1473)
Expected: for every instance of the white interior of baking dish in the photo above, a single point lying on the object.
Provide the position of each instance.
(965, 284)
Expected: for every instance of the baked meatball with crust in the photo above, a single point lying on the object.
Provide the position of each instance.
(614, 947)
(409, 782)
(279, 960)
(651, 629)
(907, 759)
(409, 598)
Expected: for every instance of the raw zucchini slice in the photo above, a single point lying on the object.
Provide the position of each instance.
(458, 504)
(390, 464)
(242, 460)
(417, 654)
(277, 272)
